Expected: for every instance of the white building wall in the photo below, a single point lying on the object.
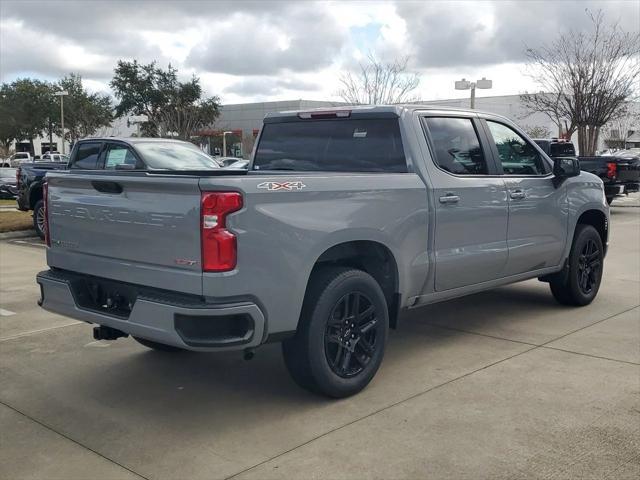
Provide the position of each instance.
(248, 116)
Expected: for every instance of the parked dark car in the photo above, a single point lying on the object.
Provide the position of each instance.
(29, 179)
(8, 189)
(620, 173)
(107, 154)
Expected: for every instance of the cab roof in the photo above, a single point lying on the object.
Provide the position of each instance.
(360, 111)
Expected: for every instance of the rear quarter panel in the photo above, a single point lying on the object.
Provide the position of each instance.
(282, 233)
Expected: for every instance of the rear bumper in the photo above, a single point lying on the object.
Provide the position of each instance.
(157, 315)
(612, 190)
(620, 188)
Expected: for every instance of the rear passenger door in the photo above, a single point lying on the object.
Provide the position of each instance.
(470, 203)
(537, 209)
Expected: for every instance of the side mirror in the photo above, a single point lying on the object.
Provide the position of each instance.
(565, 167)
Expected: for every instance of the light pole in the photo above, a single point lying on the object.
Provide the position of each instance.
(61, 94)
(224, 143)
(466, 85)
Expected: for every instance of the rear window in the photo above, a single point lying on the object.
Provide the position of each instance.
(562, 150)
(340, 145)
(174, 156)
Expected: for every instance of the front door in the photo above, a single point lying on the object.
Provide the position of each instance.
(471, 205)
(537, 208)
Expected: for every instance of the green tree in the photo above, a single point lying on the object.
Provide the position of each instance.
(9, 130)
(26, 105)
(84, 112)
(171, 107)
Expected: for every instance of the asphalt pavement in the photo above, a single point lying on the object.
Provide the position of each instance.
(504, 384)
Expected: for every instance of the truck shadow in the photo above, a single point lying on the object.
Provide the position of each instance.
(221, 387)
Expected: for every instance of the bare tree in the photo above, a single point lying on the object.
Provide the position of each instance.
(617, 131)
(587, 76)
(552, 105)
(537, 131)
(379, 83)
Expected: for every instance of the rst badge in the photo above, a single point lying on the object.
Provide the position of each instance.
(282, 186)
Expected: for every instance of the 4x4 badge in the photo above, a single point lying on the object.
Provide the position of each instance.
(282, 186)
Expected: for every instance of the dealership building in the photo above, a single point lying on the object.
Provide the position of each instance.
(243, 121)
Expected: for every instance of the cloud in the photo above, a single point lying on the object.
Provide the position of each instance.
(485, 33)
(270, 44)
(269, 49)
(24, 50)
(265, 86)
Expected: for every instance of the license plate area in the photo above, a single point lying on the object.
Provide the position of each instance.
(104, 296)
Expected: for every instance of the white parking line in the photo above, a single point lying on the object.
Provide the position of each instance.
(6, 313)
(32, 332)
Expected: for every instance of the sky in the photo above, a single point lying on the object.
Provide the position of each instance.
(246, 51)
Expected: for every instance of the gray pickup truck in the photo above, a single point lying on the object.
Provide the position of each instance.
(344, 220)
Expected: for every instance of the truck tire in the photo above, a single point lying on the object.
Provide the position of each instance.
(341, 335)
(38, 219)
(580, 284)
(161, 347)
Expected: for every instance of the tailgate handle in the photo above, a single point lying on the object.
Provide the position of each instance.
(106, 187)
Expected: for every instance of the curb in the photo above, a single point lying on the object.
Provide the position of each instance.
(18, 234)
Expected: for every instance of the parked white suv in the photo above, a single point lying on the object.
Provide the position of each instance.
(54, 157)
(16, 159)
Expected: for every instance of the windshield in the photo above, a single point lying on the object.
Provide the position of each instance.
(175, 156)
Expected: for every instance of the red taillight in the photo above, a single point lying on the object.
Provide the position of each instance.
(612, 169)
(219, 250)
(45, 198)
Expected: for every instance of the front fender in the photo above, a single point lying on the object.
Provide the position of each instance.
(584, 193)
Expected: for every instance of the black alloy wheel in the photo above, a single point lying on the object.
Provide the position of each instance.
(350, 338)
(342, 332)
(589, 263)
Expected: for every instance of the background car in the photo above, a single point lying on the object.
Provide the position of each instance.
(237, 164)
(227, 161)
(54, 157)
(8, 183)
(16, 159)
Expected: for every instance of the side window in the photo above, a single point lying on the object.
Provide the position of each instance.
(456, 146)
(119, 155)
(518, 157)
(87, 156)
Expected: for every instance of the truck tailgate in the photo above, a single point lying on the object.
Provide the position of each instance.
(628, 170)
(136, 228)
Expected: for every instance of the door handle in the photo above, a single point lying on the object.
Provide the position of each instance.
(449, 198)
(106, 187)
(517, 194)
